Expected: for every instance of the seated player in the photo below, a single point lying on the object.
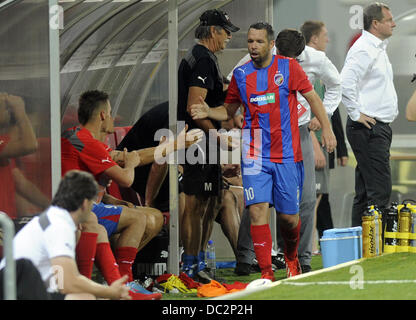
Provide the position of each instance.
(48, 242)
(82, 149)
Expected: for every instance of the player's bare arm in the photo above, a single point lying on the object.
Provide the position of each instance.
(328, 138)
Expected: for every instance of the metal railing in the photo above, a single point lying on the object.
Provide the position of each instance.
(9, 272)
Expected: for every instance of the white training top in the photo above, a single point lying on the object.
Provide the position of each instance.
(367, 80)
(316, 66)
(47, 236)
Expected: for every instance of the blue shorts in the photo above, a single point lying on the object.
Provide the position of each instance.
(279, 184)
(108, 216)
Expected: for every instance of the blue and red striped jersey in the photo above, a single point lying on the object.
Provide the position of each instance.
(270, 128)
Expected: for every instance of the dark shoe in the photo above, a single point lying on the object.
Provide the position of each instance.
(202, 277)
(255, 268)
(306, 268)
(242, 269)
(211, 274)
(278, 262)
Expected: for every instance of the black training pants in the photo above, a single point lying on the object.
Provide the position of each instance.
(371, 149)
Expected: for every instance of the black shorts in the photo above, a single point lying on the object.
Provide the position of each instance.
(56, 296)
(202, 179)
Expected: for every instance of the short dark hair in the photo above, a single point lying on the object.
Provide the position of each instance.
(74, 188)
(290, 43)
(264, 26)
(311, 28)
(372, 12)
(88, 102)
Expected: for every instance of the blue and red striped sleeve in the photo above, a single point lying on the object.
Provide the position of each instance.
(233, 94)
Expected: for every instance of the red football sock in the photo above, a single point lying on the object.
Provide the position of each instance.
(106, 262)
(262, 241)
(291, 238)
(125, 257)
(85, 253)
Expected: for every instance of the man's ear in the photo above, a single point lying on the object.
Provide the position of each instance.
(85, 204)
(102, 115)
(314, 39)
(213, 30)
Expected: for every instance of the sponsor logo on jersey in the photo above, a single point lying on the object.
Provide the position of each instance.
(262, 99)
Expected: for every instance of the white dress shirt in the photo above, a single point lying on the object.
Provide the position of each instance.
(367, 80)
(316, 66)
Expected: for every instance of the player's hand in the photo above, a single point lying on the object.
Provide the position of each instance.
(328, 139)
(120, 290)
(238, 121)
(228, 142)
(16, 104)
(186, 139)
(314, 124)
(320, 160)
(230, 170)
(193, 136)
(131, 159)
(200, 110)
(343, 161)
(367, 121)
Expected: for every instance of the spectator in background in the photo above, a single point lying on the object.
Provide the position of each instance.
(370, 99)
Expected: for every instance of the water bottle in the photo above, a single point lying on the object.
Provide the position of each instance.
(210, 257)
(412, 235)
(369, 239)
(404, 228)
(378, 229)
(391, 229)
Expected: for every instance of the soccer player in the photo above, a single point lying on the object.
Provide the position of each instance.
(82, 149)
(48, 241)
(272, 167)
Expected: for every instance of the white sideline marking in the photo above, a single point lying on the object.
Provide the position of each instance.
(348, 282)
(246, 292)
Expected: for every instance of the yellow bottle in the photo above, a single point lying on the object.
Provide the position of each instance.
(369, 234)
(404, 229)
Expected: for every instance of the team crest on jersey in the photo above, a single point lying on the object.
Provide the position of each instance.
(279, 79)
